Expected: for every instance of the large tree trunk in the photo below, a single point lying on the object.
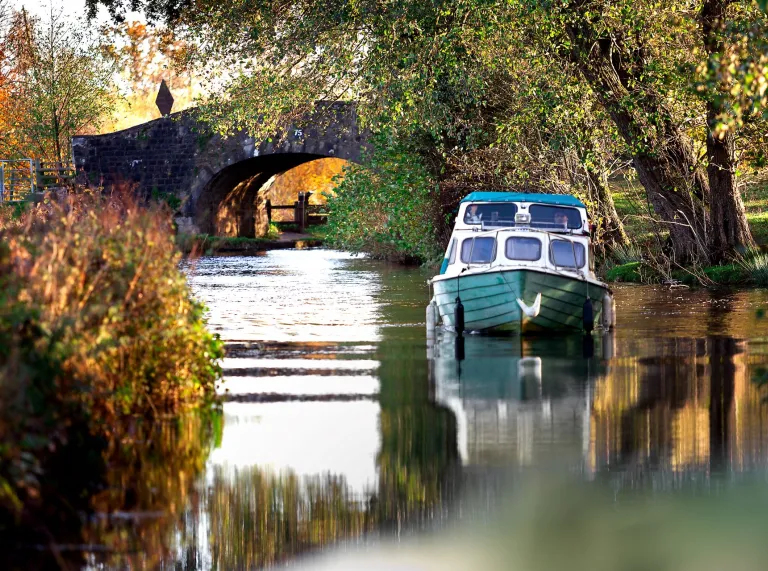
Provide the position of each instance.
(662, 154)
(730, 230)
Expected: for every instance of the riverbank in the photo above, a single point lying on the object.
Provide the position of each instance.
(638, 264)
(203, 244)
(98, 329)
(637, 216)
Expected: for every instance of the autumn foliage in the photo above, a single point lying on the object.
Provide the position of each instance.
(96, 324)
(53, 84)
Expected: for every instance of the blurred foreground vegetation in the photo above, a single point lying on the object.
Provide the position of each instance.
(99, 339)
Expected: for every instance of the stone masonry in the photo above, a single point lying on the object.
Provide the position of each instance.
(216, 180)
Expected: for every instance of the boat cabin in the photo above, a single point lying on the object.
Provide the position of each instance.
(522, 230)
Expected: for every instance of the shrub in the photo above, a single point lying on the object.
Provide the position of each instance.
(627, 253)
(629, 272)
(96, 323)
(273, 232)
(101, 276)
(383, 207)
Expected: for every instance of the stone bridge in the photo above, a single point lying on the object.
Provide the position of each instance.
(217, 180)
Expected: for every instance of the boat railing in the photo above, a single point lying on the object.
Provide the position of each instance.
(511, 224)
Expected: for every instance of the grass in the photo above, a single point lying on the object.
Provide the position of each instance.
(755, 264)
(752, 268)
(755, 196)
(742, 273)
(318, 232)
(629, 198)
(629, 272)
(205, 244)
(631, 206)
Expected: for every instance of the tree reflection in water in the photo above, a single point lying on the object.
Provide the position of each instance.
(667, 404)
(137, 497)
(687, 408)
(257, 517)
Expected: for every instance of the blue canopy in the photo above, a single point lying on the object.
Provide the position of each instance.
(558, 199)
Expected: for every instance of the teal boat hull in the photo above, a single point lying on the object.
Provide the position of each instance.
(490, 300)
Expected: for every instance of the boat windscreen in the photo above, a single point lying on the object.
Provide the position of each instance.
(502, 213)
(554, 217)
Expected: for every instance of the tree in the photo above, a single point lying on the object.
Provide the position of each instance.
(726, 206)
(639, 59)
(61, 85)
(440, 73)
(145, 56)
(167, 10)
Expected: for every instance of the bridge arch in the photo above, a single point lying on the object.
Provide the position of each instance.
(215, 179)
(231, 203)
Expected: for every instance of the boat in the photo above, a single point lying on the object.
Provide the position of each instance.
(522, 262)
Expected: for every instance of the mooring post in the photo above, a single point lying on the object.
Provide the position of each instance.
(268, 205)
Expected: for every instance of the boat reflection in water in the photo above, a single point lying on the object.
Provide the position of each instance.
(664, 412)
(518, 401)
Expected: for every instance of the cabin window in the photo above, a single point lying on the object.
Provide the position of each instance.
(452, 253)
(562, 253)
(478, 250)
(554, 217)
(495, 214)
(524, 249)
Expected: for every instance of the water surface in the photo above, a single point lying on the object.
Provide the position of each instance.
(344, 434)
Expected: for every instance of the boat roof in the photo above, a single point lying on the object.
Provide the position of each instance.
(491, 196)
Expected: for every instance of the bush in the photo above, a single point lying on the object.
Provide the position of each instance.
(96, 323)
(383, 207)
(273, 232)
(629, 272)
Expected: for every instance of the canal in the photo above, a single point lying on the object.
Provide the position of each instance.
(345, 442)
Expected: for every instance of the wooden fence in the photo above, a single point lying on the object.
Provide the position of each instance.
(304, 213)
(22, 180)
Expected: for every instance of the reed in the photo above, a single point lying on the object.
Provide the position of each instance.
(754, 263)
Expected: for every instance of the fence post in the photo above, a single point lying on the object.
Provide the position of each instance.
(2, 183)
(301, 213)
(38, 175)
(12, 190)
